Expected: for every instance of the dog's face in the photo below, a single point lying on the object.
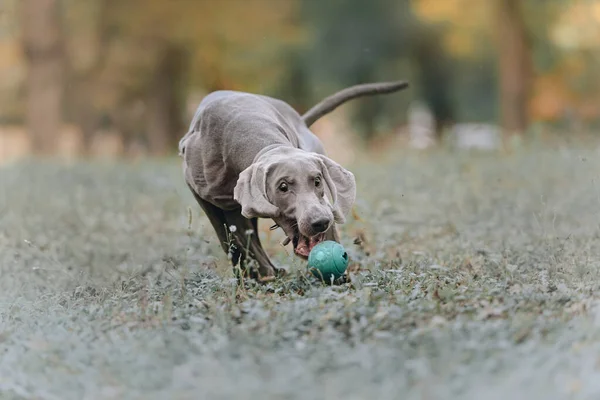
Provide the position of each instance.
(297, 188)
(304, 193)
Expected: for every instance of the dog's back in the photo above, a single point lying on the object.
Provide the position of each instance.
(257, 117)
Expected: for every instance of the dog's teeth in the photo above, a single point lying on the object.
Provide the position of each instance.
(286, 241)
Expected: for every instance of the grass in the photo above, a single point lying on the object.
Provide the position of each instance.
(477, 278)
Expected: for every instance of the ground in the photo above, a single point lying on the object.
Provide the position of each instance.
(477, 277)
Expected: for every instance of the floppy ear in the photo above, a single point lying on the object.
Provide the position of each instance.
(251, 192)
(341, 187)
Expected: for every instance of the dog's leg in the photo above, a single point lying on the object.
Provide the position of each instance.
(217, 219)
(232, 243)
(236, 243)
(248, 244)
(258, 249)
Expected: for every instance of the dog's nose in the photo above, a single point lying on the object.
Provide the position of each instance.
(320, 225)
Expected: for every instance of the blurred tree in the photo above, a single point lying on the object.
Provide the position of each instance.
(130, 66)
(88, 25)
(295, 84)
(232, 44)
(435, 73)
(165, 100)
(43, 46)
(467, 36)
(356, 41)
(565, 40)
(453, 56)
(515, 66)
(136, 61)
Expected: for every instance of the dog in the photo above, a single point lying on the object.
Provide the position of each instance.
(248, 156)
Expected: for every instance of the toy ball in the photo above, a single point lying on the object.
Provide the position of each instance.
(328, 259)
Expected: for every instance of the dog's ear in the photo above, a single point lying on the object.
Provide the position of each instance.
(340, 186)
(251, 193)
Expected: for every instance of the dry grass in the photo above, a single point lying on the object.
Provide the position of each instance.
(477, 278)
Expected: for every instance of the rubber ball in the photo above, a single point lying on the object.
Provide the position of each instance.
(328, 259)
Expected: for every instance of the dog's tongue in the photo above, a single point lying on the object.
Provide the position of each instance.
(305, 245)
(302, 249)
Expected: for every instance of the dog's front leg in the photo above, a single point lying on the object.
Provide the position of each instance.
(246, 246)
(239, 240)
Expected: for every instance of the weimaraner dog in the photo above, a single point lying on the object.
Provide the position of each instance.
(249, 156)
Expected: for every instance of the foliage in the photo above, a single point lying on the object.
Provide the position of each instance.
(347, 50)
(301, 51)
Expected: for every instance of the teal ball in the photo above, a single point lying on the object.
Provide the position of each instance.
(328, 259)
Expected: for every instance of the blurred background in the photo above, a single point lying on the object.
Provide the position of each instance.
(121, 78)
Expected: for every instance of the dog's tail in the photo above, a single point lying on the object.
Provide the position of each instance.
(332, 102)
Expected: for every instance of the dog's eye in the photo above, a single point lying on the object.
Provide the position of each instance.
(318, 181)
(283, 186)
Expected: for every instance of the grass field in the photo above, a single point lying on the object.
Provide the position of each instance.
(477, 278)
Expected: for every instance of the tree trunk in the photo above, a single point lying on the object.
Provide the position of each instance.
(164, 105)
(85, 82)
(83, 113)
(435, 78)
(515, 69)
(43, 47)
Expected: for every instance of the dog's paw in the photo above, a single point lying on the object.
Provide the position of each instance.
(267, 279)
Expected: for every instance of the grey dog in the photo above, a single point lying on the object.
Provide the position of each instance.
(248, 156)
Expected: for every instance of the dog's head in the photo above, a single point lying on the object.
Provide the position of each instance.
(304, 193)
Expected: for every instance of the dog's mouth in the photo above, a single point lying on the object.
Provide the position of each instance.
(303, 245)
